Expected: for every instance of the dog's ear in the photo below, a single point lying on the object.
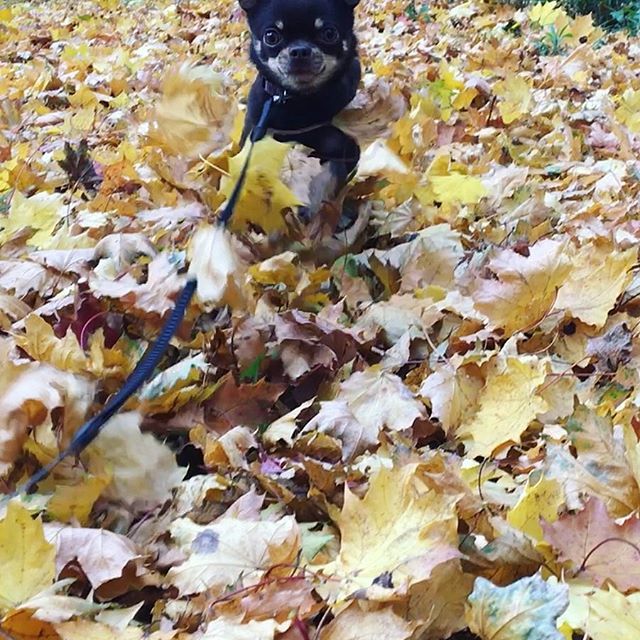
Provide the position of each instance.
(246, 5)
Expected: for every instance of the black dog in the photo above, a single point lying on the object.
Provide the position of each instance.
(305, 53)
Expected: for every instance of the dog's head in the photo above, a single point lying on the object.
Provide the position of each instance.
(301, 44)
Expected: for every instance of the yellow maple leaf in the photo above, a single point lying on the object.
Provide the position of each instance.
(526, 288)
(358, 622)
(545, 14)
(89, 630)
(539, 500)
(41, 343)
(26, 558)
(628, 111)
(104, 361)
(508, 404)
(515, 94)
(4, 180)
(598, 276)
(401, 527)
(264, 195)
(74, 503)
(83, 119)
(582, 29)
(450, 76)
(457, 187)
(41, 213)
(602, 614)
(280, 269)
(196, 113)
(83, 97)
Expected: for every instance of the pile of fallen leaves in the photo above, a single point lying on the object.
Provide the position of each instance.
(424, 425)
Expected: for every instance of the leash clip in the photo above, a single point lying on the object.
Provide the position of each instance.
(278, 94)
(281, 98)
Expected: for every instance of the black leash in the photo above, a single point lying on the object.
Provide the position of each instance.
(143, 370)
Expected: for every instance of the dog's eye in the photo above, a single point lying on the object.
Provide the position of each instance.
(272, 37)
(329, 35)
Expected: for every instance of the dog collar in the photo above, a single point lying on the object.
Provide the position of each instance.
(278, 93)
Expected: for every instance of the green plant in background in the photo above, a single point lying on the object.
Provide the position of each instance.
(610, 14)
(5, 198)
(613, 15)
(627, 18)
(553, 41)
(417, 13)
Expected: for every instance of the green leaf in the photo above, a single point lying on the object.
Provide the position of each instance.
(524, 610)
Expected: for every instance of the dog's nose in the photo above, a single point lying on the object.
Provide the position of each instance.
(300, 51)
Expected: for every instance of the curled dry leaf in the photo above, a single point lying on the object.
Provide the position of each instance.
(23, 276)
(122, 249)
(284, 427)
(438, 604)
(216, 264)
(40, 342)
(612, 349)
(374, 110)
(31, 391)
(12, 309)
(48, 606)
(279, 599)
(156, 295)
(234, 404)
(307, 342)
(336, 419)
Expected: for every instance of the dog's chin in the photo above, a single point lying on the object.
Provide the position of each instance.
(302, 80)
(305, 80)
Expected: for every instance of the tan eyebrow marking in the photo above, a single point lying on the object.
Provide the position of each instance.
(319, 23)
(280, 24)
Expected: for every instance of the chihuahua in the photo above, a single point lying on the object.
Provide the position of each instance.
(305, 53)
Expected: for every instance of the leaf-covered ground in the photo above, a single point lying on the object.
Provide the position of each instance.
(424, 425)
